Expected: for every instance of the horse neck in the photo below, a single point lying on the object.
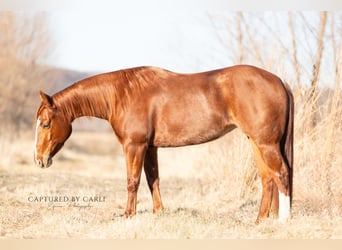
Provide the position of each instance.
(88, 97)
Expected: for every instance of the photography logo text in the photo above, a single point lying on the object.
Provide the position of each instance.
(62, 201)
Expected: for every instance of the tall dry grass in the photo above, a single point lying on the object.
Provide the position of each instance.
(318, 152)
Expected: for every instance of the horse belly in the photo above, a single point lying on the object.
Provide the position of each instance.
(189, 128)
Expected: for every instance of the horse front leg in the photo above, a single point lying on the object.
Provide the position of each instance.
(152, 177)
(134, 153)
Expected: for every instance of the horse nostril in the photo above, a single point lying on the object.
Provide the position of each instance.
(40, 163)
(49, 162)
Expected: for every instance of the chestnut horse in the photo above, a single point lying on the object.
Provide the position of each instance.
(149, 107)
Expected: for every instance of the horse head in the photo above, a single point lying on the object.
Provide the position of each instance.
(52, 130)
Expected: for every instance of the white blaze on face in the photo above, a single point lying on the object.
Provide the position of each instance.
(36, 137)
(284, 207)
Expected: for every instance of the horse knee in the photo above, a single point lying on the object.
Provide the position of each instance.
(276, 167)
(132, 185)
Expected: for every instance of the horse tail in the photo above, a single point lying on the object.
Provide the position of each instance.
(288, 136)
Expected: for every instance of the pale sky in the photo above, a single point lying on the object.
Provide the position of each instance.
(179, 39)
(174, 34)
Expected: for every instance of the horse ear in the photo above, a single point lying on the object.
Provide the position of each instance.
(46, 99)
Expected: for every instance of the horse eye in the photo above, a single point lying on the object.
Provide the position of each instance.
(46, 125)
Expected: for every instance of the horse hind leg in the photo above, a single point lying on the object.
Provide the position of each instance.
(275, 181)
(152, 177)
(267, 185)
(281, 176)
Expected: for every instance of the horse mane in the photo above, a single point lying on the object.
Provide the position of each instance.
(101, 95)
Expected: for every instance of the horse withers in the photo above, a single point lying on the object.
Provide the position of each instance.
(150, 107)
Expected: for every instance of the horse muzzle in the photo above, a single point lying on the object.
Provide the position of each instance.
(43, 162)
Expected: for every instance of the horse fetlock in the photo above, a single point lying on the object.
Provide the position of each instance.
(158, 208)
(129, 213)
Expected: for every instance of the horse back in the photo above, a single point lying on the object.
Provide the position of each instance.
(184, 109)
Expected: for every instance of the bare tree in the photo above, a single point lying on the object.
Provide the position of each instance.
(239, 19)
(24, 43)
(334, 117)
(294, 49)
(316, 65)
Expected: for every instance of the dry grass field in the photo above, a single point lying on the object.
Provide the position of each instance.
(209, 191)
